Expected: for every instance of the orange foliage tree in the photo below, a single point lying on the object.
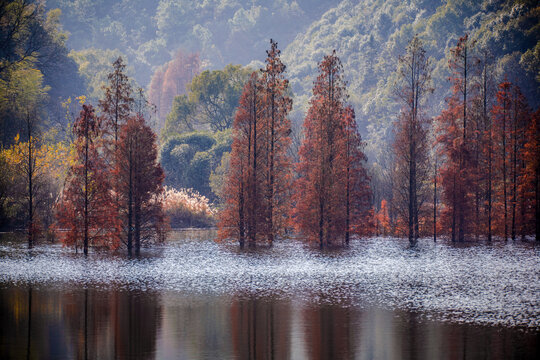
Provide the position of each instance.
(529, 179)
(324, 171)
(140, 185)
(357, 191)
(117, 104)
(276, 140)
(239, 217)
(455, 136)
(501, 114)
(86, 208)
(382, 220)
(258, 182)
(511, 118)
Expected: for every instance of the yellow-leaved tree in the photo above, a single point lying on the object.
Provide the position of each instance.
(32, 177)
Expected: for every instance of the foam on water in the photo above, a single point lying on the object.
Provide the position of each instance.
(498, 284)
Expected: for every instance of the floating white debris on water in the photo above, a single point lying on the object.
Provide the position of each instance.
(498, 284)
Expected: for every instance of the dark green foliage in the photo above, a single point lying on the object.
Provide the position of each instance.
(189, 159)
(36, 74)
(198, 172)
(181, 117)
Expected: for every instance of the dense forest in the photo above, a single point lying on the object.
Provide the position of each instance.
(121, 119)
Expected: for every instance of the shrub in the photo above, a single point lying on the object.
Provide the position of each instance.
(187, 208)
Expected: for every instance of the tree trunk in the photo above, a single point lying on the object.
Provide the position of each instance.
(130, 200)
(241, 224)
(253, 215)
(454, 210)
(435, 203)
(271, 180)
(86, 135)
(514, 171)
(504, 176)
(489, 192)
(348, 205)
(30, 187)
(537, 201)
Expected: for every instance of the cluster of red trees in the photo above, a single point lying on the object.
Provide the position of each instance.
(112, 192)
(481, 153)
(330, 196)
(489, 143)
(259, 180)
(332, 189)
(486, 141)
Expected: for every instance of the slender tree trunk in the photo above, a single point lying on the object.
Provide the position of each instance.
(411, 199)
(137, 228)
(246, 218)
(348, 201)
(477, 182)
(489, 124)
(504, 176)
(522, 226)
(30, 186)
(435, 202)
(253, 215)
(271, 180)
(86, 163)
(490, 180)
(537, 201)
(462, 163)
(454, 209)
(321, 222)
(241, 224)
(330, 159)
(130, 199)
(514, 171)
(137, 194)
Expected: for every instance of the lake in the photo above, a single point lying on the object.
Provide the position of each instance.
(192, 298)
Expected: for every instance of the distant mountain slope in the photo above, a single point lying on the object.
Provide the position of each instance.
(369, 35)
(149, 31)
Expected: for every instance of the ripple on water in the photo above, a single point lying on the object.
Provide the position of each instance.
(497, 284)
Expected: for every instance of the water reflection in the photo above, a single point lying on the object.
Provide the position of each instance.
(95, 323)
(260, 329)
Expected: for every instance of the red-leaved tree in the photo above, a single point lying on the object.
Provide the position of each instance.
(86, 215)
(324, 170)
(117, 104)
(140, 185)
(455, 135)
(259, 181)
(530, 178)
(276, 140)
(357, 190)
(240, 216)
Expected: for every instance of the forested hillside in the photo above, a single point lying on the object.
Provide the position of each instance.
(370, 35)
(149, 32)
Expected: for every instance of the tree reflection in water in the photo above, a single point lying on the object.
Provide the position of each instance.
(93, 323)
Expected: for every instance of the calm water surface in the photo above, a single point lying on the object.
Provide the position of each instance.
(194, 299)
